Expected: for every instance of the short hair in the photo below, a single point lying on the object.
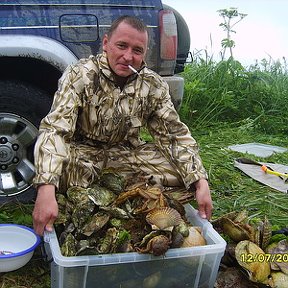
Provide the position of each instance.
(133, 21)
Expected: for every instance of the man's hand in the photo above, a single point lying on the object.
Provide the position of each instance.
(203, 198)
(45, 210)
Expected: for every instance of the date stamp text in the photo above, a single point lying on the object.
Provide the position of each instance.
(264, 257)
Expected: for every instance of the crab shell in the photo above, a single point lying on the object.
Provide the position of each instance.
(163, 218)
(257, 271)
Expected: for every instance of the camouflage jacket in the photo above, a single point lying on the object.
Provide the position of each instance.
(88, 105)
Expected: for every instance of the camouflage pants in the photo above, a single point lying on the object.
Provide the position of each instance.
(86, 162)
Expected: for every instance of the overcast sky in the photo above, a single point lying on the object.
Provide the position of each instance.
(261, 34)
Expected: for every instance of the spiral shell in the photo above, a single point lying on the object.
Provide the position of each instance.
(194, 238)
(163, 218)
(157, 246)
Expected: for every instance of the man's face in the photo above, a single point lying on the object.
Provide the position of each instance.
(126, 46)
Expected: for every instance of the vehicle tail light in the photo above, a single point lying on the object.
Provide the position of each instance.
(168, 35)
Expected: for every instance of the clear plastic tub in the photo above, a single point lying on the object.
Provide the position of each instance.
(179, 267)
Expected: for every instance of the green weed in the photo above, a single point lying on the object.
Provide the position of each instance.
(228, 92)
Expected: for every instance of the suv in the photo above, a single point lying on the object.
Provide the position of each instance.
(38, 39)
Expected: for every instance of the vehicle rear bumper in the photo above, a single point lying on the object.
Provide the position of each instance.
(176, 88)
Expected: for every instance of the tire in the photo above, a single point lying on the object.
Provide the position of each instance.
(183, 43)
(22, 107)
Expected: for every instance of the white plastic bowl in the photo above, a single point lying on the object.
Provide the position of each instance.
(17, 245)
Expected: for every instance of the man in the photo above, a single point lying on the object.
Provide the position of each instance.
(95, 121)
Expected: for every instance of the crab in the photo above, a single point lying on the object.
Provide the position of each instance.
(152, 197)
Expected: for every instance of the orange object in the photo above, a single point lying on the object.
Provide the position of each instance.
(269, 171)
(264, 168)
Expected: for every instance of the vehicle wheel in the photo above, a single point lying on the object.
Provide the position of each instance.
(21, 109)
(183, 39)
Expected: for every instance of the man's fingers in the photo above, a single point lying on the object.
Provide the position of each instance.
(205, 211)
(209, 209)
(41, 226)
(202, 211)
(49, 225)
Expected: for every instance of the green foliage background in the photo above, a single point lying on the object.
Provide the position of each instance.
(225, 91)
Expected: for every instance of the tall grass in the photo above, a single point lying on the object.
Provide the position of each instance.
(226, 91)
(226, 103)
